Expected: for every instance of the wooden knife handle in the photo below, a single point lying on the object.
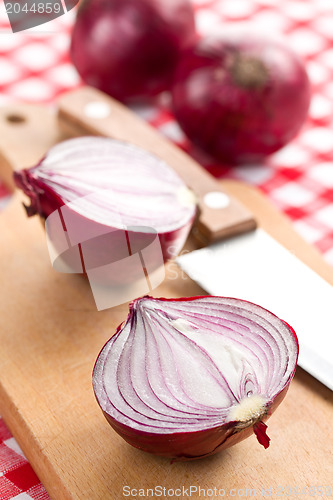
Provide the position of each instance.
(89, 111)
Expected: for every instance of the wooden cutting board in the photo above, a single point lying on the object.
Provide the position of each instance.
(50, 336)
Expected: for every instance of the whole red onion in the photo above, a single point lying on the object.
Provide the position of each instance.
(185, 378)
(240, 97)
(129, 48)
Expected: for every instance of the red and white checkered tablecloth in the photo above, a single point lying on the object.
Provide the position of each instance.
(35, 67)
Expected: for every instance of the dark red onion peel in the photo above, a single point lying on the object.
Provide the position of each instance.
(113, 199)
(129, 48)
(240, 96)
(186, 378)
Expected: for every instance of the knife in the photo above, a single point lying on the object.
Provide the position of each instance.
(241, 259)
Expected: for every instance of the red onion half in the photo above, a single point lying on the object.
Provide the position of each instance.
(113, 199)
(185, 378)
(240, 97)
(129, 48)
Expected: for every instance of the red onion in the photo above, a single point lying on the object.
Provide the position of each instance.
(114, 199)
(240, 97)
(129, 48)
(185, 378)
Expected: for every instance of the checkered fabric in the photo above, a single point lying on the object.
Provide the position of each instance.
(17, 479)
(35, 67)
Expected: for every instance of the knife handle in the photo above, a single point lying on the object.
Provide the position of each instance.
(89, 111)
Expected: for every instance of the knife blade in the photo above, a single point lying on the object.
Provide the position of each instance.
(257, 268)
(243, 261)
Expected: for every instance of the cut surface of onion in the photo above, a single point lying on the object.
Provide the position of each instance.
(185, 378)
(103, 178)
(113, 190)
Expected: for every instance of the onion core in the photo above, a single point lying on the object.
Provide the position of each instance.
(185, 378)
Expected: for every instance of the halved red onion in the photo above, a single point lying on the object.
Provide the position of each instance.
(114, 197)
(185, 378)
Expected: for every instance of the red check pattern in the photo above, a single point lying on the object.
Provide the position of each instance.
(17, 479)
(35, 67)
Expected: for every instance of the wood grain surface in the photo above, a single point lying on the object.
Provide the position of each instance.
(50, 336)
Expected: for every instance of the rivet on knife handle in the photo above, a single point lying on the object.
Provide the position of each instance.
(89, 111)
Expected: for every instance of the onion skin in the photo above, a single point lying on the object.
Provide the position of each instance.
(239, 97)
(43, 200)
(129, 48)
(184, 446)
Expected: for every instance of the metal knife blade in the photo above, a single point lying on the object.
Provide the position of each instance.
(255, 267)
